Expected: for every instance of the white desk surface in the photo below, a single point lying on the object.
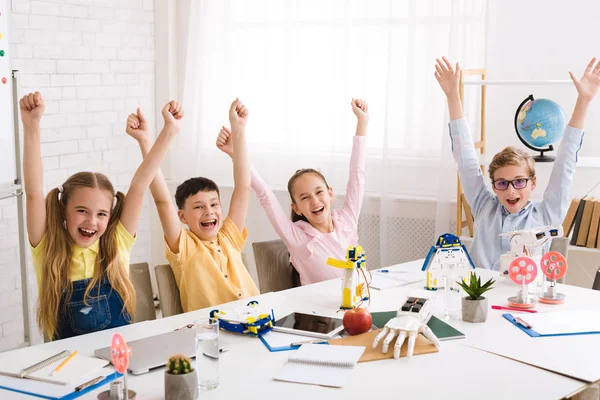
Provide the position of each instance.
(458, 370)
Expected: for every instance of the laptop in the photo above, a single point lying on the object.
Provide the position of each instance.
(154, 351)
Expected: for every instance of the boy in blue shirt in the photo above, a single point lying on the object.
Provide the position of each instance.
(506, 206)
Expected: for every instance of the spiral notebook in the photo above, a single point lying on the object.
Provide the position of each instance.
(37, 364)
(321, 365)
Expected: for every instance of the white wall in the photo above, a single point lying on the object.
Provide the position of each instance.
(542, 40)
(93, 60)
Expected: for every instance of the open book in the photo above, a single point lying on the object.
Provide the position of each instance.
(317, 364)
(37, 364)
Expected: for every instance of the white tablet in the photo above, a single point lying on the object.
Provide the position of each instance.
(309, 325)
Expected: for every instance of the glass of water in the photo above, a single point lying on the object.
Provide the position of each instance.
(452, 298)
(207, 353)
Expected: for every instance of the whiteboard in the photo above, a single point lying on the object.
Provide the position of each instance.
(8, 169)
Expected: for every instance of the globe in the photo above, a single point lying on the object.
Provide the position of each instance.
(539, 123)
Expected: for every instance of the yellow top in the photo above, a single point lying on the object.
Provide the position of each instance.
(211, 272)
(84, 259)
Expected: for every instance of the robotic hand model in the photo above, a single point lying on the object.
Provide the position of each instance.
(524, 242)
(249, 320)
(354, 267)
(448, 258)
(410, 320)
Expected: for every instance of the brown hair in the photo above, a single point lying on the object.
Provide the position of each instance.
(56, 271)
(512, 156)
(193, 186)
(295, 217)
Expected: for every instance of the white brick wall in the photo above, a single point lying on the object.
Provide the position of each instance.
(93, 60)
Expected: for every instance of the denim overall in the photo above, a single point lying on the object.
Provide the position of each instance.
(104, 310)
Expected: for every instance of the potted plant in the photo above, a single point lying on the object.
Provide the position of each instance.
(475, 306)
(181, 382)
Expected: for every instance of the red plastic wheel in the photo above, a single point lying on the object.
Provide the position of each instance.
(554, 265)
(120, 353)
(522, 268)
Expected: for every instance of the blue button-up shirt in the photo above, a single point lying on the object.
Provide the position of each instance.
(490, 217)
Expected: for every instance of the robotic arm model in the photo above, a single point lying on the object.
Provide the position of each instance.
(522, 241)
(410, 320)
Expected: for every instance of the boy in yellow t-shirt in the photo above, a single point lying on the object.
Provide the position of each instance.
(206, 258)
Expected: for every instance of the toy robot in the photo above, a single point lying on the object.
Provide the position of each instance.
(352, 288)
(249, 320)
(410, 319)
(448, 258)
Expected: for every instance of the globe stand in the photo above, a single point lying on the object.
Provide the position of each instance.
(539, 158)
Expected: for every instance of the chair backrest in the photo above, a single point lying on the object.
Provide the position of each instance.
(273, 267)
(144, 298)
(596, 285)
(561, 245)
(168, 292)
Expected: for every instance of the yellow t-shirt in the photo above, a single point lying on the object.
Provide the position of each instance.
(84, 259)
(211, 272)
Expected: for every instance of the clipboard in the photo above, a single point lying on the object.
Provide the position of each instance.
(532, 333)
(69, 396)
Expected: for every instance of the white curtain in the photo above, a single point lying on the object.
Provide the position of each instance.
(297, 64)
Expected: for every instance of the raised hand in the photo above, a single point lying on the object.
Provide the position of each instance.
(137, 126)
(224, 141)
(447, 76)
(588, 85)
(32, 108)
(172, 112)
(238, 114)
(360, 109)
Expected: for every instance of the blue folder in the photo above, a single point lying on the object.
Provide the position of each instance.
(73, 395)
(533, 333)
(283, 348)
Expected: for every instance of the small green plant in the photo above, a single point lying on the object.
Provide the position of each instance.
(475, 289)
(179, 365)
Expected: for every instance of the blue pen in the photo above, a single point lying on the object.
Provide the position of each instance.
(391, 272)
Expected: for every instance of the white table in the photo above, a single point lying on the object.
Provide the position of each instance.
(458, 370)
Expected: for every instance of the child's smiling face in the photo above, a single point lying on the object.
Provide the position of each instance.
(312, 199)
(87, 214)
(513, 199)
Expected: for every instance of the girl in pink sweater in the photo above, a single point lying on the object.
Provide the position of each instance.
(315, 231)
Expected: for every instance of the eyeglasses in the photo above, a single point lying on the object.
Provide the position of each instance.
(519, 183)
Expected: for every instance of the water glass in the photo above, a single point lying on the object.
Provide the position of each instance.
(452, 300)
(207, 353)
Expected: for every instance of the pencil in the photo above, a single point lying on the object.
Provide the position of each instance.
(62, 364)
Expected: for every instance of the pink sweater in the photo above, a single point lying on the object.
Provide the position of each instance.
(309, 249)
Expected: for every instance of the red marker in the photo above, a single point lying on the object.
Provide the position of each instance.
(512, 309)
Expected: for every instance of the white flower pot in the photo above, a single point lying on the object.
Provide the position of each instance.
(181, 387)
(474, 310)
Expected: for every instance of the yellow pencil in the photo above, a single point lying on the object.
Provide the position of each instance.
(62, 364)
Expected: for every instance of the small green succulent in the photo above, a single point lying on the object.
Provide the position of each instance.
(475, 289)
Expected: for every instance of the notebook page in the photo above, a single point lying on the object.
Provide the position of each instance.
(49, 389)
(11, 364)
(77, 367)
(383, 280)
(563, 322)
(321, 365)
